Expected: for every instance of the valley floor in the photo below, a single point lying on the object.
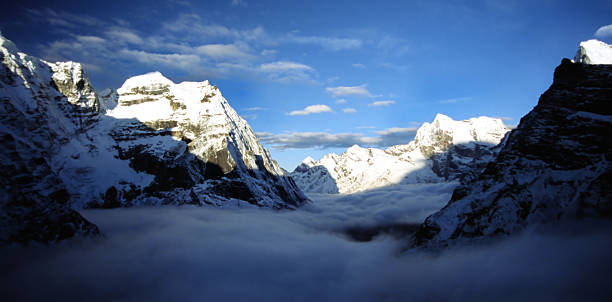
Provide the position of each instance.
(205, 254)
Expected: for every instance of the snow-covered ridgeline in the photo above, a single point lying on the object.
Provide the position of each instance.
(594, 52)
(555, 166)
(151, 142)
(439, 152)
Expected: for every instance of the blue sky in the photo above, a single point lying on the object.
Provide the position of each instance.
(313, 77)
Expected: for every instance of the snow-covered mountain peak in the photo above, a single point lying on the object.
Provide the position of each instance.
(153, 97)
(594, 52)
(443, 149)
(7, 44)
(308, 161)
(355, 149)
(444, 132)
(145, 82)
(442, 119)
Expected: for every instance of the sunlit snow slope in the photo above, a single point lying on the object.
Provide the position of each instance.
(441, 151)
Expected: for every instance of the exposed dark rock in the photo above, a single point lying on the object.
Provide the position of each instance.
(554, 166)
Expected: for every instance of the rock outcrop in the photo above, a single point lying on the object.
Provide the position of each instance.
(36, 119)
(554, 166)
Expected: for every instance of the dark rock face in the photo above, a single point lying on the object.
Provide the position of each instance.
(555, 165)
(461, 162)
(34, 202)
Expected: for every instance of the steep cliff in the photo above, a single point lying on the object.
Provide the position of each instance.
(554, 166)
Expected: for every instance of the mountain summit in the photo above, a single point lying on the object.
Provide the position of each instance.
(594, 52)
(442, 150)
(151, 142)
(555, 166)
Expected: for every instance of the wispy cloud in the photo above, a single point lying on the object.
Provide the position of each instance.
(330, 43)
(349, 91)
(604, 31)
(312, 109)
(255, 109)
(349, 110)
(454, 100)
(359, 65)
(192, 27)
(224, 51)
(390, 45)
(324, 140)
(63, 18)
(238, 3)
(123, 35)
(182, 61)
(381, 103)
(341, 101)
(286, 71)
(284, 66)
(249, 117)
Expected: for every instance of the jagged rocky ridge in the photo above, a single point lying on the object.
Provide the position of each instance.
(443, 150)
(150, 142)
(555, 166)
(34, 200)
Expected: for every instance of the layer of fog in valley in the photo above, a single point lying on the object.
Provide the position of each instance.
(207, 254)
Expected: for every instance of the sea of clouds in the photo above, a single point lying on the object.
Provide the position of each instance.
(204, 254)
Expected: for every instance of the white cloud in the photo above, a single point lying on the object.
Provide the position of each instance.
(192, 28)
(312, 109)
(249, 117)
(90, 39)
(255, 109)
(284, 66)
(63, 18)
(330, 43)
(455, 100)
(306, 140)
(381, 103)
(604, 31)
(324, 140)
(223, 51)
(349, 110)
(118, 34)
(359, 65)
(341, 101)
(349, 91)
(269, 52)
(180, 61)
(286, 71)
(396, 136)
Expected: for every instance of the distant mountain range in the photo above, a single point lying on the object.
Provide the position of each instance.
(444, 150)
(154, 142)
